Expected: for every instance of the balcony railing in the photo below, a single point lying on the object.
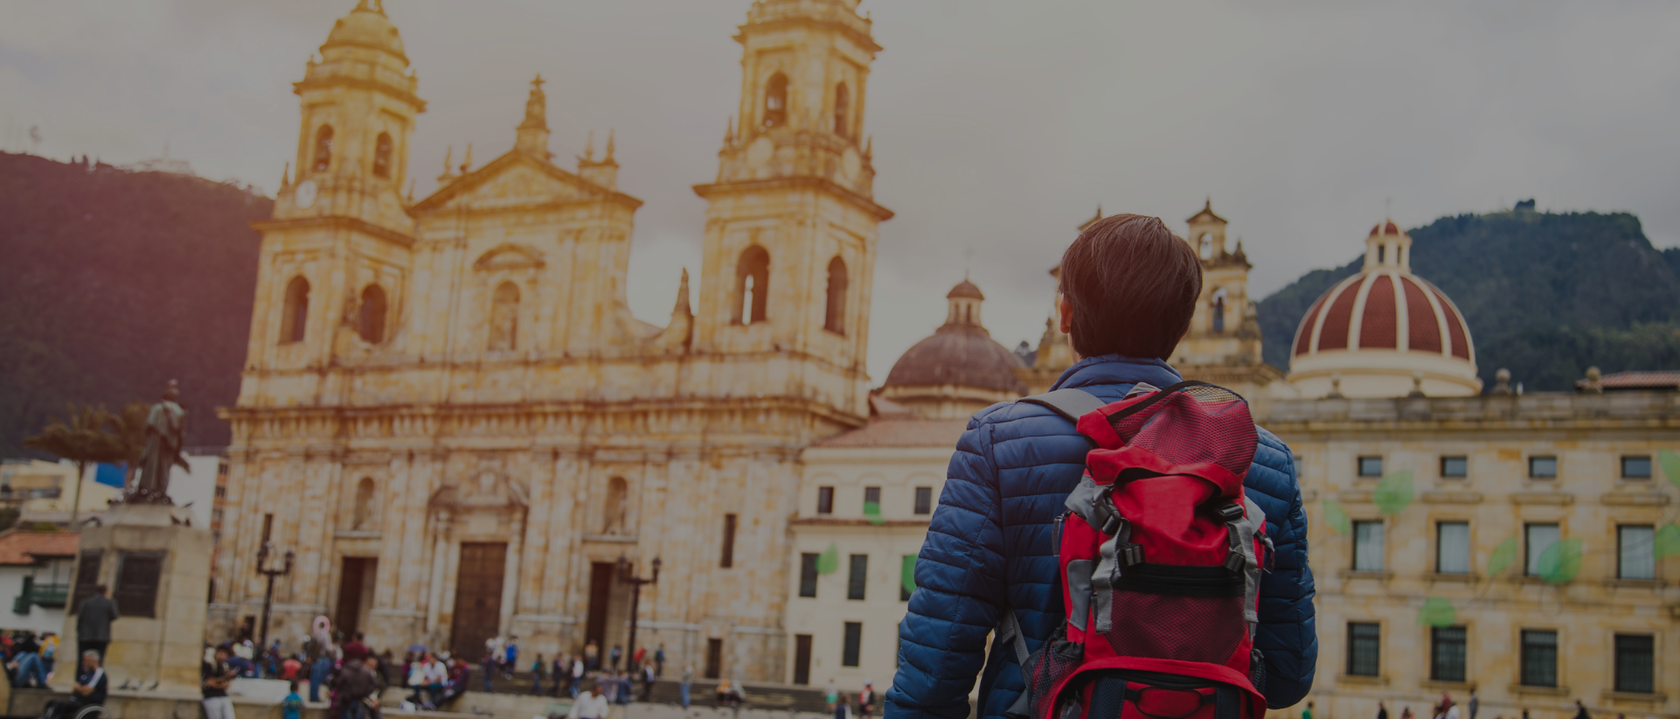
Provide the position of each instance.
(50, 596)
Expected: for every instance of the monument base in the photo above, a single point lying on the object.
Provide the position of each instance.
(158, 571)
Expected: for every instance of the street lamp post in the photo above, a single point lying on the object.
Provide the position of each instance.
(271, 573)
(626, 577)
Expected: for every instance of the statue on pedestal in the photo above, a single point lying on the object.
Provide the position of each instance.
(165, 426)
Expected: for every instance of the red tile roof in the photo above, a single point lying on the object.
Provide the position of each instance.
(897, 432)
(24, 547)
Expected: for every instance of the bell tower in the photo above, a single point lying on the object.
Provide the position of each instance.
(358, 105)
(336, 253)
(792, 222)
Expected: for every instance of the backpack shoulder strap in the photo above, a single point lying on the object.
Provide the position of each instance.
(1069, 403)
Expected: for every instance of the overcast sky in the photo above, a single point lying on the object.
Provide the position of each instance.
(998, 126)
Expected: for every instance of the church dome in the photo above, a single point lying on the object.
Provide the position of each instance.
(960, 369)
(1384, 332)
(367, 27)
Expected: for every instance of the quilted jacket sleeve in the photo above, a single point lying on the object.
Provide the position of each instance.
(1287, 637)
(959, 590)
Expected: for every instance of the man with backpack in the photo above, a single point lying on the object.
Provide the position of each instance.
(1182, 552)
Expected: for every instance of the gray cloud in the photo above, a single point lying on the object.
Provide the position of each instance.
(998, 126)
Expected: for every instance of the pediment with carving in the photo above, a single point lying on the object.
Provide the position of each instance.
(509, 256)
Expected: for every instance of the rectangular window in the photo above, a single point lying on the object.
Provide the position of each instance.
(854, 643)
(138, 577)
(728, 559)
(1542, 467)
(924, 500)
(1368, 546)
(714, 658)
(825, 500)
(858, 576)
(1636, 466)
(871, 496)
(1634, 556)
(1452, 547)
(808, 574)
(1537, 538)
(1446, 654)
(1539, 658)
(1364, 649)
(1635, 665)
(907, 580)
(1370, 466)
(1455, 467)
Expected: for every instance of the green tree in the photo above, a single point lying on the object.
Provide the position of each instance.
(92, 434)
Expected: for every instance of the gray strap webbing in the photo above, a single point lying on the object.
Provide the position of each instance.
(1069, 403)
(1010, 630)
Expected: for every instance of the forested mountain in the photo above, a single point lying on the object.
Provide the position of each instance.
(112, 283)
(1546, 294)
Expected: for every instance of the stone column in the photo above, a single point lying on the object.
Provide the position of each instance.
(440, 556)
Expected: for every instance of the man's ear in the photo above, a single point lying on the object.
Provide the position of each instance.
(1064, 308)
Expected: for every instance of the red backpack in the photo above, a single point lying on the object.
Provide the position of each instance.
(1160, 558)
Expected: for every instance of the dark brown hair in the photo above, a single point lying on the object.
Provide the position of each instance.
(1133, 285)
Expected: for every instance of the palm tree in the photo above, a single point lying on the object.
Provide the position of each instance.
(82, 440)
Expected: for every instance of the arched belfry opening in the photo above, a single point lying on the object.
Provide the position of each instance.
(842, 110)
(834, 316)
(323, 149)
(1219, 310)
(775, 101)
(294, 316)
(752, 286)
(370, 320)
(382, 155)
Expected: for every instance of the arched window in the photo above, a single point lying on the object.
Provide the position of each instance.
(752, 285)
(323, 148)
(362, 515)
(842, 107)
(776, 101)
(834, 319)
(382, 155)
(1207, 245)
(1381, 251)
(294, 317)
(613, 514)
(504, 317)
(370, 320)
(1219, 310)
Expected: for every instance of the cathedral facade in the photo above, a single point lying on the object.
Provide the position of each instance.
(450, 416)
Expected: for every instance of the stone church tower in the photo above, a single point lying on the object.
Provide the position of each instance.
(451, 416)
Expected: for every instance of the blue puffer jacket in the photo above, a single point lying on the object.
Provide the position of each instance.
(989, 545)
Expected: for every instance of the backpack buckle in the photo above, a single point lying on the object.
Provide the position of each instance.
(1234, 561)
(1111, 526)
(1231, 512)
(1131, 555)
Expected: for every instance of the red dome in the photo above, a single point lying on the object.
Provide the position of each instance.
(1396, 311)
(1386, 228)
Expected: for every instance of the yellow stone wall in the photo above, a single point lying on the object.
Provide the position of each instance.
(474, 419)
(1588, 434)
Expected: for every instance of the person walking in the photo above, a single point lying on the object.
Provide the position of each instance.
(592, 656)
(1129, 289)
(93, 622)
(1382, 711)
(616, 656)
(1581, 710)
(489, 666)
(687, 682)
(577, 675)
(1307, 712)
(1475, 703)
(659, 660)
(841, 710)
(322, 656)
(647, 682)
(217, 676)
(866, 700)
(831, 693)
(537, 675)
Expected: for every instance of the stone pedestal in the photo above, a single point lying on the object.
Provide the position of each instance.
(151, 560)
